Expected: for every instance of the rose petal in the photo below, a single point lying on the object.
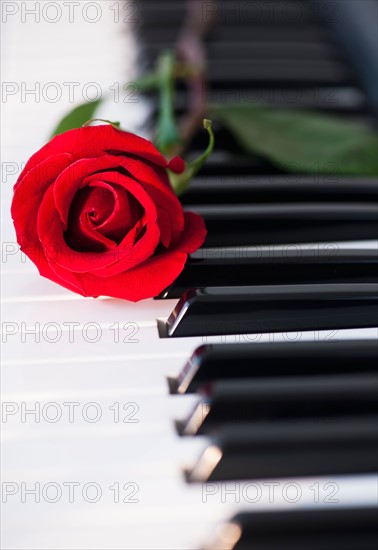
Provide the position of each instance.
(27, 199)
(90, 141)
(141, 282)
(147, 279)
(91, 207)
(125, 256)
(127, 212)
(153, 181)
(73, 178)
(194, 234)
(101, 216)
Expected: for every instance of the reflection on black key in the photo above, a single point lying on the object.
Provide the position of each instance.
(328, 446)
(314, 529)
(235, 225)
(249, 310)
(281, 399)
(254, 361)
(289, 264)
(252, 189)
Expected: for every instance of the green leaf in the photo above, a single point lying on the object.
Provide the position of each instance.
(302, 141)
(77, 117)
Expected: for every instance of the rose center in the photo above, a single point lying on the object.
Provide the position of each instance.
(100, 216)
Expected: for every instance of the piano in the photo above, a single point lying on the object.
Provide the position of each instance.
(238, 409)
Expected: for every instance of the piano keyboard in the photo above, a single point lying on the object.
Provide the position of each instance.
(238, 409)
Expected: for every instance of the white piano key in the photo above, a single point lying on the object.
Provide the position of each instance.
(69, 307)
(53, 342)
(175, 522)
(102, 376)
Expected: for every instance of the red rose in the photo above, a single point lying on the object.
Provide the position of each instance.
(94, 210)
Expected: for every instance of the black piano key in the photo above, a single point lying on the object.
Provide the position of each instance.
(272, 50)
(245, 224)
(286, 308)
(281, 399)
(261, 11)
(328, 446)
(311, 529)
(279, 72)
(258, 51)
(277, 68)
(225, 161)
(339, 100)
(254, 361)
(303, 264)
(252, 189)
(228, 33)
